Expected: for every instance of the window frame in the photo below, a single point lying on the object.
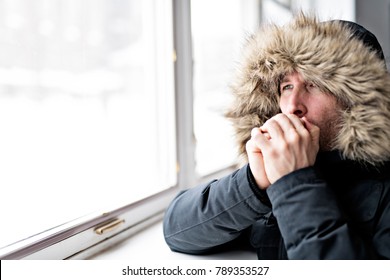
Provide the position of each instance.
(70, 239)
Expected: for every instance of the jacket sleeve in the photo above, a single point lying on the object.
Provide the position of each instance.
(213, 214)
(311, 221)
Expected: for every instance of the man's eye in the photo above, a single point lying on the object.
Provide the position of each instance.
(313, 88)
(287, 87)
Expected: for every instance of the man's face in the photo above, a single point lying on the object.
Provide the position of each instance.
(307, 101)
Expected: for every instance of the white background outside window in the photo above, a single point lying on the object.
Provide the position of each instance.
(86, 109)
(219, 28)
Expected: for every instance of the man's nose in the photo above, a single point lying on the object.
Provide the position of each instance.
(296, 104)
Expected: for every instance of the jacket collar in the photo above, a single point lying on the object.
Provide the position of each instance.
(332, 164)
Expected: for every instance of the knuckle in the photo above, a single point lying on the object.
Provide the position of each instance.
(283, 147)
(270, 122)
(276, 153)
(276, 118)
(294, 138)
(255, 131)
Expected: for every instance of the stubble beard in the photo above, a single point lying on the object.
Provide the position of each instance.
(329, 130)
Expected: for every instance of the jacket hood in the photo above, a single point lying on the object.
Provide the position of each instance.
(330, 55)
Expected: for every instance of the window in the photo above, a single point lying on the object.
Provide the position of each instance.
(217, 39)
(86, 109)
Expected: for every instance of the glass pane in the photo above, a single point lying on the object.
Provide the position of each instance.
(276, 12)
(86, 108)
(217, 39)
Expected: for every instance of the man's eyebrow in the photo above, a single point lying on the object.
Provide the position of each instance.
(285, 79)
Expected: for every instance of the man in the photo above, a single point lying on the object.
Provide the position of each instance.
(312, 119)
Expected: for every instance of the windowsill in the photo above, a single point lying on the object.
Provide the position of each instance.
(150, 244)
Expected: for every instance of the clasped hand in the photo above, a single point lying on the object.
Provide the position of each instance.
(284, 143)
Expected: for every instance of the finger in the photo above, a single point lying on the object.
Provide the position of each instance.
(273, 128)
(256, 164)
(252, 150)
(313, 130)
(261, 140)
(255, 131)
(251, 147)
(298, 123)
(280, 127)
(286, 124)
(259, 130)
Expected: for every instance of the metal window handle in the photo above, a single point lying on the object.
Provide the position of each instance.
(109, 226)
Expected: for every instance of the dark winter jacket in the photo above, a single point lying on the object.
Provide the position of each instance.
(337, 209)
(334, 210)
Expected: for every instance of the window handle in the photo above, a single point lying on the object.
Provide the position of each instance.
(112, 225)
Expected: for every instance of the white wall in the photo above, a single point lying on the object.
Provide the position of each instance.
(329, 9)
(375, 16)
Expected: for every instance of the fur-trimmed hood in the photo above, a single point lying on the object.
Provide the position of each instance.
(330, 56)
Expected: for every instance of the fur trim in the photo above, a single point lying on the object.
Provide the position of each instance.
(326, 54)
